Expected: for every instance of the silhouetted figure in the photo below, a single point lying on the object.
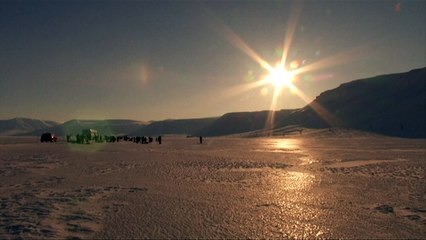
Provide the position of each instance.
(159, 139)
(201, 140)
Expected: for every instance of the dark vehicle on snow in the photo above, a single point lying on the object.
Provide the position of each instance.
(48, 137)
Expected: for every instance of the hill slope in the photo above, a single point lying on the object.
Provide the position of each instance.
(393, 104)
(240, 122)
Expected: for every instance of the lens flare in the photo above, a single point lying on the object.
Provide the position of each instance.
(397, 7)
(144, 74)
(295, 64)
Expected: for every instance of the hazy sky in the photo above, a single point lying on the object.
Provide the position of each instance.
(153, 60)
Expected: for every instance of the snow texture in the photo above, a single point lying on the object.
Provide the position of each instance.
(316, 185)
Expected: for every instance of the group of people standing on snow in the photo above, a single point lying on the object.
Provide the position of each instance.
(85, 139)
(145, 140)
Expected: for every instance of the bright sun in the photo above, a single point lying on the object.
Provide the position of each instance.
(280, 78)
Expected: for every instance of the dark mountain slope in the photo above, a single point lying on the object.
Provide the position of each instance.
(393, 104)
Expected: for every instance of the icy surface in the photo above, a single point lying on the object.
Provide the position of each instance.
(301, 187)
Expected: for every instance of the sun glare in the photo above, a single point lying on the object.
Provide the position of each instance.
(280, 78)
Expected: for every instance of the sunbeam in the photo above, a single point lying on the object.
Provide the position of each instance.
(241, 88)
(331, 61)
(236, 40)
(291, 27)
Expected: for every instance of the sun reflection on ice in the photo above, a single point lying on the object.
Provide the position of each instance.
(298, 181)
(282, 145)
(294, 192)
(287, 144)
(297, 201)
(300, 212)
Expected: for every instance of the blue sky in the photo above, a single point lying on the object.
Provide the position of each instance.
(153, 60)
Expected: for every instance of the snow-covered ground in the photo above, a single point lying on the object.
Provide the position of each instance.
(317, 184)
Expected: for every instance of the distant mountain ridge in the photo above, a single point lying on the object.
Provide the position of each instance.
(105, 127)
(392, 104)
(17, 126)
(179, 126)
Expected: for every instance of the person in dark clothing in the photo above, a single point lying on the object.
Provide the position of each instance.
(159, 139)
(201, 140)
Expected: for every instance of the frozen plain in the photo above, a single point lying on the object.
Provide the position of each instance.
(344, 184)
